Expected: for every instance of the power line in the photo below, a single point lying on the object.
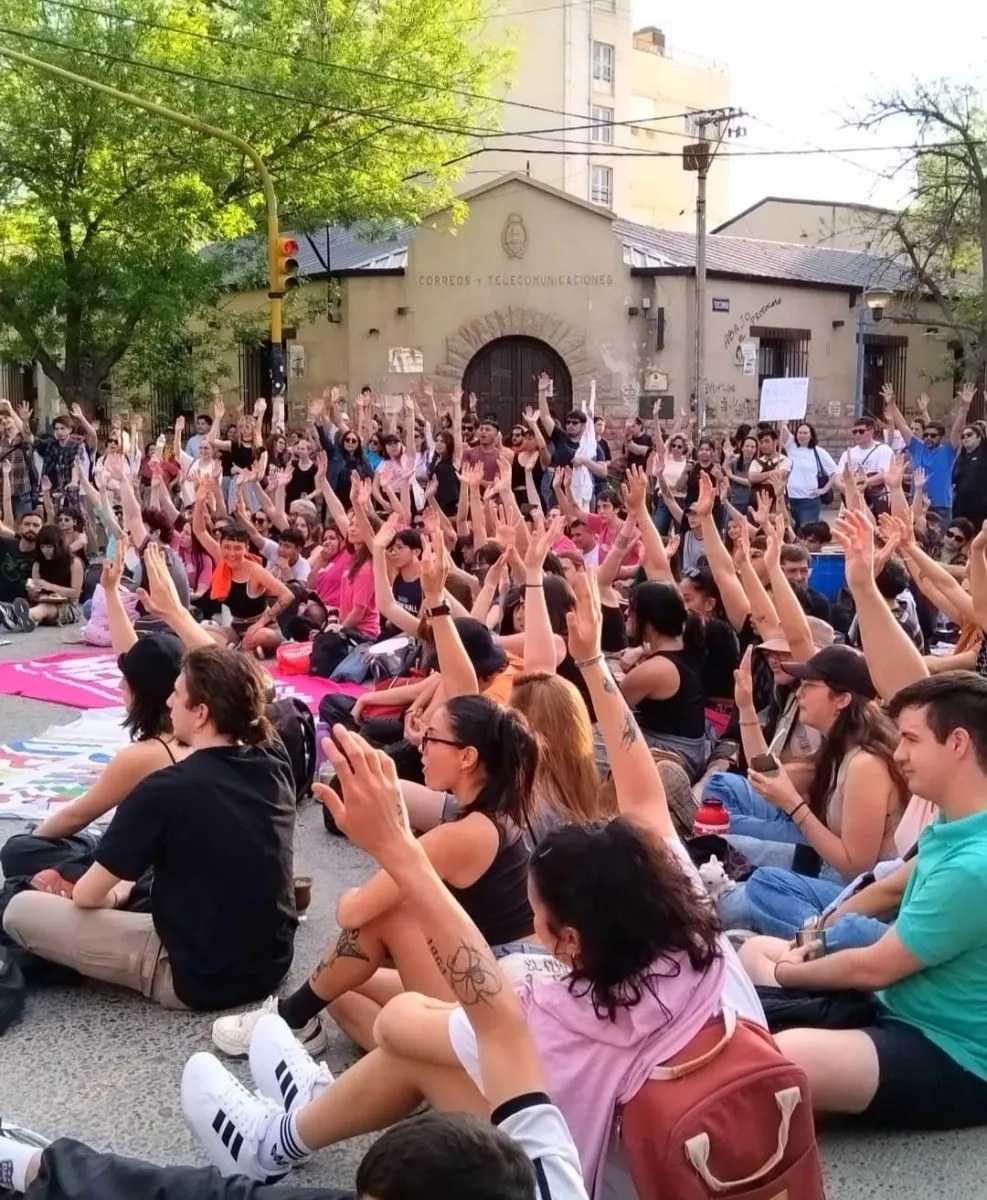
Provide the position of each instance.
(364, 71)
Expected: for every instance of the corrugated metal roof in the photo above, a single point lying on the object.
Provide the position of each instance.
(652, 249)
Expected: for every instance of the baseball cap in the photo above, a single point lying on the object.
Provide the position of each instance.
(839, 667)
(152, 664)
(823, 635)
(486, 656)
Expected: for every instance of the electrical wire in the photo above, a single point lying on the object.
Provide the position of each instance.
(363, 71)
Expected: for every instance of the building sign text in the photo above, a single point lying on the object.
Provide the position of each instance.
(511, 281)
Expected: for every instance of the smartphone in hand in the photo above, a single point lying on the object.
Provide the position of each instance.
(766, 764)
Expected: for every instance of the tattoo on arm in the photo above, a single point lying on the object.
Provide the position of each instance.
(630, 732)
(472, 972)
(622, 541)
(609, 686)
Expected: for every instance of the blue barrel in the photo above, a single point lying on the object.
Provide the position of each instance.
(828, 574)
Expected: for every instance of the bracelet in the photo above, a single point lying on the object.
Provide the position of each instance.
(749, 724)
(589, 662)
(536, 585)
(801, 804)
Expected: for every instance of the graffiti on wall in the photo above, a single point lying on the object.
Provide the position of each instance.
(742, 324)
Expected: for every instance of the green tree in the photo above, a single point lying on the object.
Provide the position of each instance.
(357, 106)
(940, 234)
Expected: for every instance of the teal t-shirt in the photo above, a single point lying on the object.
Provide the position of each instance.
(943, 922)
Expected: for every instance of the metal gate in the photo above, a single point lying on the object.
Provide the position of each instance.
(504, 377)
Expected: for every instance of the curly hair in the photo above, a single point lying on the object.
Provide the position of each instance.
(633, 906)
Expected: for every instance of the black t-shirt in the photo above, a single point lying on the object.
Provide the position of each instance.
(408, 593)
(302, 483)
(720, 660)
(564, 449)
(15, 568)
(217, 831)
(644, 443)
(447, 492)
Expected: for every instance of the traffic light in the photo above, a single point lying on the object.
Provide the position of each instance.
(287, 277)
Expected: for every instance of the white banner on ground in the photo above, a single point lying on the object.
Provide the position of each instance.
(784, 399)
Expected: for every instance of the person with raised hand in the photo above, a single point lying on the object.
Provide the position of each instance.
(893, 660)
(483, 756)
(300, 1108)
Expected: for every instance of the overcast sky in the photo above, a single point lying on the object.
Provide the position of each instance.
(800, 70)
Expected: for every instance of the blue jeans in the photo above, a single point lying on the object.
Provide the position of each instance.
(662, 518)
(804, 511)
(751, 816)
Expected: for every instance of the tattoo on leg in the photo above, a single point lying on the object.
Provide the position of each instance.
(472, 973)
(348, 946)
(631, 731)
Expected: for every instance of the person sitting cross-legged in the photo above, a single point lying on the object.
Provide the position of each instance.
(215, 828)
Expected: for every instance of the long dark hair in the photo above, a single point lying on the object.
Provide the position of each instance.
(353, 457)
(58, 568)
(632, 905)
(361, 556)
(446, 438)
(507, 751)
(861, 725)
(148, 716)
(660, 607)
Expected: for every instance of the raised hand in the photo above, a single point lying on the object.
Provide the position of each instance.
(707, 496)
(371, 809)
(434, 569)
(895, 473)
(855, 534)
(634, 491)
(179, 425)
(743, 681)
(966, 394)
(159, 596)
(112, 571)
(540, 544)
(887, 395)
(385, 535)
(584, 621)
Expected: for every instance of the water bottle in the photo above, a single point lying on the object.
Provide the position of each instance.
(711, 817)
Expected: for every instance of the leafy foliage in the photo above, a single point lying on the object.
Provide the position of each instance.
(104, 208)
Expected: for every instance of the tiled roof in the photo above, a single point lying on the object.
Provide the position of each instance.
(362, 248)
(650, 249)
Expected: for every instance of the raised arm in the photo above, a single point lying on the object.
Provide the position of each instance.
(963, 400)
(336, 510)
(456, 668)
(132, 519)
(634, 492)
(88, 430)
(540, 649)
(790, 613)
(735, 602)
(122, 633)
(751, 733)
(8, 509)
(161, 599)
(892, 657)
(640, 792)
(206, 539)
(978, 576)
(764, 616)
(544, 412)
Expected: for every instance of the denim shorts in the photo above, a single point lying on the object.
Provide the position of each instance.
(520, 947)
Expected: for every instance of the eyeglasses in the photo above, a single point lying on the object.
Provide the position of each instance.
(429, 737)
(930, 434)
(860, 431)
(953, 536)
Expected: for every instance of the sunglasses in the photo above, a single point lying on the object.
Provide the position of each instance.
(856, 431)
(953, 537)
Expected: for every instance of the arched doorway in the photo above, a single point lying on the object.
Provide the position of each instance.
(504, 377)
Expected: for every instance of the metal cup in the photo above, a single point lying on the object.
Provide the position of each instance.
(812, 936)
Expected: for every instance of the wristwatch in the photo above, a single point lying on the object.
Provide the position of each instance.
(440, 610)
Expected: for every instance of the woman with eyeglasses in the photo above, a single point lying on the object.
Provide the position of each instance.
(970, 475)
(484, 758)
(348, 459)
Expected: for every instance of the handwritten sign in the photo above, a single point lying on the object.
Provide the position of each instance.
(784, 399)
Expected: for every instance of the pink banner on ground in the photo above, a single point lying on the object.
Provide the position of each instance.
(92, 680)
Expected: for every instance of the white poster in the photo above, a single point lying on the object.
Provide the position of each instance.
(405, 360)
(784, 399)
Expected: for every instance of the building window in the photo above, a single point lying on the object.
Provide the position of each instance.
(603, 65)
(885, 361)
(601, 186)
(605, 5)
(693, 126)
(781, 353)
(602, 130)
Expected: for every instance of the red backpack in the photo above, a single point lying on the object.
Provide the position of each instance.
(729, 1118)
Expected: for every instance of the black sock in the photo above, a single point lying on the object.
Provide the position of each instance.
(300, 1007)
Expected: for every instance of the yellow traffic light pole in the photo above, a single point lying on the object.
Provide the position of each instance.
(275, 292)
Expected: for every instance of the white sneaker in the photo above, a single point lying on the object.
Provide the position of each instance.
(282, 1069)
(232, 1034)
(229, 1122)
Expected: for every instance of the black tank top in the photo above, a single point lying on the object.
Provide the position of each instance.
(681, 715)
(498, 901)
(243, 606)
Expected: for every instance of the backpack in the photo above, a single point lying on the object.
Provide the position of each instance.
(730, 1116)
(293, 720)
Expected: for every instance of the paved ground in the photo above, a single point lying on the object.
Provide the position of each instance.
(105, 1067)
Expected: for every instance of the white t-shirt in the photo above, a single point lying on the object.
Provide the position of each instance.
(540, 1130)
(299, 572)
(803, 479)
(868, 459)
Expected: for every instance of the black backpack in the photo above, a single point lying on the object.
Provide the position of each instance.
(12, 989)
(293, 720)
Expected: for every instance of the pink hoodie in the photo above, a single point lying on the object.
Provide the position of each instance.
(592, 1065)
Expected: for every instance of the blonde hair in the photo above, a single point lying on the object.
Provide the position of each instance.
(567, 778)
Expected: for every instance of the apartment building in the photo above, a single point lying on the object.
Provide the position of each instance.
(621, 91)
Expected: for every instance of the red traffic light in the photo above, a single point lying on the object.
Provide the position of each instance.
(289, 246)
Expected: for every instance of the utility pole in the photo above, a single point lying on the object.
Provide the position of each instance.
(274, 241)
(698, 157)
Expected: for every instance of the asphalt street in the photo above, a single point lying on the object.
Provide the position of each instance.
(104, 1066)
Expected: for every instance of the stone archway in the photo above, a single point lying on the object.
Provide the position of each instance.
(565, 339)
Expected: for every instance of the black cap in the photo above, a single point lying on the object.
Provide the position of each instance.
(152, 664)
(839, 667)
(486, 656)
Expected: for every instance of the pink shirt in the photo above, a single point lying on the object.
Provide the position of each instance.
(329, 581)
(393, 470)
(607, 538)
(358, 591)
(198, 570)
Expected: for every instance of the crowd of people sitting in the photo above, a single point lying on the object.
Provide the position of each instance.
(631, 768)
